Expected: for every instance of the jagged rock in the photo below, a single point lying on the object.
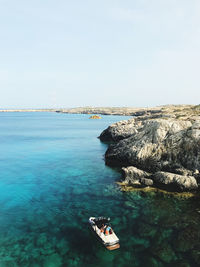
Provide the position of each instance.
(182, 183)
(147, 182)
(134, 173)
(184, 172)
(135, 183)
(118, 131)
(139, 113)
(157, 145)
(146, 147)
(136, 177)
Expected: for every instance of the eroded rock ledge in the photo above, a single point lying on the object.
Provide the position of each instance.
(159, 152)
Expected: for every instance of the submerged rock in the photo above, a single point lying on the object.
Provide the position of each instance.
(187, 239)
(146, 230)
(181, 263)
(152, 262)
(195, 254)
(53, 260)
(164, 252)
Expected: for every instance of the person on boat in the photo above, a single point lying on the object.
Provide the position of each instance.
(102, 228)
(107, 230)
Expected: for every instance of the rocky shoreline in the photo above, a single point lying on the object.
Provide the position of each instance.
(154, 112)
(157, 149)
(121, 111)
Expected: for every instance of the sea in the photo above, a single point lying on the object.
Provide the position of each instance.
(53, 177)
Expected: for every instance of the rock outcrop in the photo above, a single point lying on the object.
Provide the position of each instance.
(119, 131)
(175, 181)
(136, 177)
(95, 117)
(159, 152)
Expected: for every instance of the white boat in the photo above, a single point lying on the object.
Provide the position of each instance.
(102, 228)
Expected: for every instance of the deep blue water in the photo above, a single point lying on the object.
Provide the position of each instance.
(53, 177)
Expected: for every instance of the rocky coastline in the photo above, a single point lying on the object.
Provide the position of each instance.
(121, 111)
(157, 149)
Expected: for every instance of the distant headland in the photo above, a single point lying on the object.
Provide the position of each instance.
(121, 111)
(166, 110)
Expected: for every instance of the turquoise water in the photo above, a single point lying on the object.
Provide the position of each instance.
(53, 177)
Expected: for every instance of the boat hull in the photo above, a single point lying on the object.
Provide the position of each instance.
(113, 247)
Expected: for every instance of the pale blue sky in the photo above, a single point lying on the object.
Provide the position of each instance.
(99, 53)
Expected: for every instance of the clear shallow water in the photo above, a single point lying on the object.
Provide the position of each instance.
(53, 177)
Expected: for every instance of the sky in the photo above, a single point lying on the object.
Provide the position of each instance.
(63, 53)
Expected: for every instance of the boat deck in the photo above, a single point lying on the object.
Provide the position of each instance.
(111, 238)
(110, 241)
